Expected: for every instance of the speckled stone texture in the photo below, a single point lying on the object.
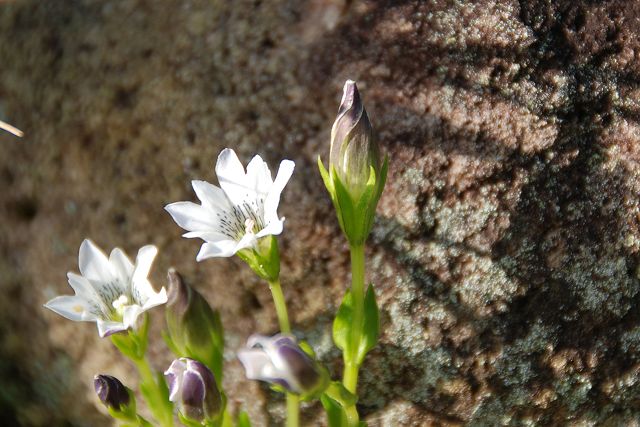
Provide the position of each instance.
(506, 250)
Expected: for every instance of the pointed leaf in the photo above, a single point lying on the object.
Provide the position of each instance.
(342, 325)
(371, 325)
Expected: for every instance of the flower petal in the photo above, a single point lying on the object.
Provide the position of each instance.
(130, 314)
(211, 196)
(249, 240)
(191, 217)
(141, 289)
(81, 286)
(272, 228)
(232, 177)
(121, 265)
(273, 198)
(255, 361)
(221, 248)
(109, 327)
(74, 308)
(93, 263)
(207, 236)
(259, 176)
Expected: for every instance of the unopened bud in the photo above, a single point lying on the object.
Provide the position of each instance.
(111, 392)
(281, 361)
(192, 387)
(356, 178)
(193, 326)
(353, 147)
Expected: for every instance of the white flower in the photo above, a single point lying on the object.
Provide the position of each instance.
(112, 291)
(235, 215)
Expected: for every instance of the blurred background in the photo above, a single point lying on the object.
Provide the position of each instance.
(505, 253)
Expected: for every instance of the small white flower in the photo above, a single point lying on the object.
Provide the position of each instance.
(112, 291)
(235, 215)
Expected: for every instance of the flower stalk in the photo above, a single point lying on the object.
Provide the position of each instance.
(350, 378)
(133, 345)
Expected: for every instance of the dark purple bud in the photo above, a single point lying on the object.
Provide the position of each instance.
(192, 387)
(111, 392)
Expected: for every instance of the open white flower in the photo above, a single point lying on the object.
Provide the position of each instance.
(111, 291)
(235, 215)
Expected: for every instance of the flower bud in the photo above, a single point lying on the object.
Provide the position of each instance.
(353, 147)
(281, 361)
(192, 387)
(194, 328)
(111, 392)
(356, 178)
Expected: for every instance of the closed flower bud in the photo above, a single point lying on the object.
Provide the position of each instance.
(111, 392)
(194, 328)
(353, 147)
(192, 387)
(281, 361)
(356, 177)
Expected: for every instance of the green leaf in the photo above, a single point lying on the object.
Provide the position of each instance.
(371, 327)
(243, 420)
(335, 414)
(340, 405)
(342, 326)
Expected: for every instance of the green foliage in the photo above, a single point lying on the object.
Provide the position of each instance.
(340, 406)
(343, 325)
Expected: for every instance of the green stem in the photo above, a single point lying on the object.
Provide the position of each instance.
(156, 395)
(350, 379)
(293, 401)
(281, 306)
(293, 410)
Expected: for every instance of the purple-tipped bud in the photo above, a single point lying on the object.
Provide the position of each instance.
(280, 360)
(353, 147)
(111, 392)
(192, 387)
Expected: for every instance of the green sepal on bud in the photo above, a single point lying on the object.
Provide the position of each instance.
(119, 400)
(355, 178)
(343, 324)
(194, 329)
(264, 260)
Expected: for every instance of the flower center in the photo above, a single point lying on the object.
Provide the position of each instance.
(120, 304)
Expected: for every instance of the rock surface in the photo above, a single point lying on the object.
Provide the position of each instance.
(506, 251)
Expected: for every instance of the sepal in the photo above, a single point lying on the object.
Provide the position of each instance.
(265, 259)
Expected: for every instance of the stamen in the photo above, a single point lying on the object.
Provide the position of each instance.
(249, 224)
(120, 303)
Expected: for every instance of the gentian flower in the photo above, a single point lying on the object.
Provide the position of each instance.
(111, 291)
(234, 216)
(281, 361)
(192, 387)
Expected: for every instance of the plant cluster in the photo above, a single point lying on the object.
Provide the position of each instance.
(238, 217)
